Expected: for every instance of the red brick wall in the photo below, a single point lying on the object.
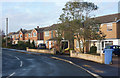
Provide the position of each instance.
(49, 37)
(21, 38)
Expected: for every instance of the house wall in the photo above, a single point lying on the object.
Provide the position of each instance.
(40, 35)
(49, 43)
(34, 37)
(109, 34)
(21, 38)
(114, 34)
(26, 37)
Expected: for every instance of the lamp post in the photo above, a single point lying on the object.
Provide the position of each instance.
(6, 30)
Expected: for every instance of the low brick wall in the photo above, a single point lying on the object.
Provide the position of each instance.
(95, 58)
(42, 51)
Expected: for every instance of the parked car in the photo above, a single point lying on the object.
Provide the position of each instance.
(116, 49)
(42, 46)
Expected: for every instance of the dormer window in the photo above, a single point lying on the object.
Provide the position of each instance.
(109, 27)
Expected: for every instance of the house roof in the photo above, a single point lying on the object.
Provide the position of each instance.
(28, 31)
(24, 31)
(53, 27)
(11, 33)
(108, 18)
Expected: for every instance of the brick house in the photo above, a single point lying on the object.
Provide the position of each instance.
(45, 35)
(49, 36)
(110, 26)
(37, 35)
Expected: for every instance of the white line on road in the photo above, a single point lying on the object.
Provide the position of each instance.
(95, 75)
(21, 63)
(17, 58)
(11, 75)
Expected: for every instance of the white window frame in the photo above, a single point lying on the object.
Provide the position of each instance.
(46, 33)
(20, 35)
(34, 34)
(29, 35)
(77, 44)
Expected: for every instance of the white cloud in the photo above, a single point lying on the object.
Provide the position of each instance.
(29, 15)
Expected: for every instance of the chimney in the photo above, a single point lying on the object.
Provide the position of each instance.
(21, 29)
(37, 26)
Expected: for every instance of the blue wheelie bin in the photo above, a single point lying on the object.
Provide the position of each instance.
(108, 56)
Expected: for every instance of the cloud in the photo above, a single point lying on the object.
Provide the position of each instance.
(30, 15)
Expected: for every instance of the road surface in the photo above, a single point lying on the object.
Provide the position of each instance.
(22, 64)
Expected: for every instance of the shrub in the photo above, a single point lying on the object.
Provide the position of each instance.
(21, 45)
(93, 49)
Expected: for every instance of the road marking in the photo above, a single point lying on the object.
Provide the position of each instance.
(11, 75)
(21, 63)
(17, 58)
(95, 75)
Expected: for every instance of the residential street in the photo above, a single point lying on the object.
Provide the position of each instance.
(22, 64)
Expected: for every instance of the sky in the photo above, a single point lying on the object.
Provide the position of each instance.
(29, 15)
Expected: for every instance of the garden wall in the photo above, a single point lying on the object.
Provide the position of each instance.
(42, 51)
(90, 57)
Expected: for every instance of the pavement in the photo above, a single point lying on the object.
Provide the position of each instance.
(20, 64)
(101, 70)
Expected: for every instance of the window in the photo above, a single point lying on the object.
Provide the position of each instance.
(109, 27)
(25, 35)
(15, 36)
(10, 36)
(46, 33)
(51, 34)
(46, 43)
(34, 34)
(29, 34)
(56, 33)
(77, 44)
(20, 35)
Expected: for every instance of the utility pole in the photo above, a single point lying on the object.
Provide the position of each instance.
(6, 30)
